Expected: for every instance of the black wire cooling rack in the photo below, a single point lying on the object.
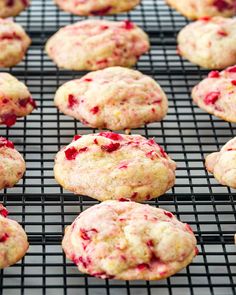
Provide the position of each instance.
(187, 133)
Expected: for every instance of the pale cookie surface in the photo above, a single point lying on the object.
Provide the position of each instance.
(129, 241)
(13, 240)
(95, 7)
(12, 165)
(126, 99)
(97, 44)
(216, 94)
(12, 7)
(14, 43)
(112, 166)
(222, 164)
(15, 100)
(194, 9)
(203, 42)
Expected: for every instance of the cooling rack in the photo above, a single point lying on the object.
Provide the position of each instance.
(187, 133)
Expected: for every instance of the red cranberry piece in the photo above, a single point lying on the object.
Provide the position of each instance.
(214, 74)
(123, 200)
(84, 234)
(151, 142)
(222, 33)
(76, 137)
(111, 135)
(9, 119)
(196, 251)
(29, 100)
(3, 211)
(72, 101)
(163, 153)
(111, 147)
(157, 101)
(233, 82)
(150, 243)
(5, 100)
(188, 227)
(94, 110)
(7, 143)
(231, 69)
(95, 141)
(88, 80)
(123, 166)
(4, 237)
(71, 153)
(142, 266)
(169, 214)
(211, 97)
(205, 18)
(10, 3)
(134, 195)
(152, 155)
(128, 25)
(101, 11)
(104, 27)
(221, 5)
(25, 2)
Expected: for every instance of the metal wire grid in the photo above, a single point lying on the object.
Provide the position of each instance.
(187, 134)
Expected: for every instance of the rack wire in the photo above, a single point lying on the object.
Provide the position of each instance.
(187, 133)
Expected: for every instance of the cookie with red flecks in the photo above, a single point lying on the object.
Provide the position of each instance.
(216, 94)
(193, 9)
(97, 44)
(12, 165)
(15, 100)
(222, 164)
(94, 7)
(115, 98)
(129, 241)
(12, 7)
(14, 43)
(203, 42)
(13, 240)
(109, 166)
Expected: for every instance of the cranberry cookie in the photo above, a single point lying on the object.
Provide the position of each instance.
(12, 7)
(126, 99)
(108, 166)
(216, 94)
(194, 9)
(129, 241)
(95, 7)
(12, 165)
(222, 164)
(203, 42)
(13, 240)
(14, 43)
(97, 44)
(15, 100)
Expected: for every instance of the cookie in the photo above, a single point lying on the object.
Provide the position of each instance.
(97, 44)
(109, 166)
(12, 7)
(14, 43)
(12, 165)
(193, 9)
(126, 99)
(216, 94)
(13, 240)
(129, 241)
(15, 100)
(203, 42)
(222, 164)
(94, 7)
